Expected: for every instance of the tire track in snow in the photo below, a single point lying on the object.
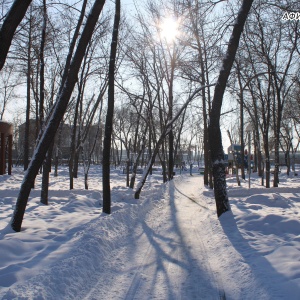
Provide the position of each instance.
(141, 274)
(215, 277)
(138, 276)
(173, 268)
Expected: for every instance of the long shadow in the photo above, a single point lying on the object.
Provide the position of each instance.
(253, 259)
(190, 198)
(175, 251)
(205, 289)
(249, 192)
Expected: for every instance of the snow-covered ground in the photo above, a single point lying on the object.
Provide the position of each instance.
(167, 245)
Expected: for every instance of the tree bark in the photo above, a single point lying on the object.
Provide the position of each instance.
(235, 162)
(110, 113)
(215, 138)
(56, 117)
(27, 122)
(241, 97)
(73, 146)
(47, 162)
(45, 176)
(9, 26)
(170, 115)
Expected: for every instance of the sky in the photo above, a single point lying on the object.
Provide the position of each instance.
(128, 5)
(169, 244)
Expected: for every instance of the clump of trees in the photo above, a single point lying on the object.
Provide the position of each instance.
(148, 89)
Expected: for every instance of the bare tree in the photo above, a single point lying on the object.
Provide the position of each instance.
(215, 138)
(28, 97)
(110, 113)
(197, 66)
(161, 139)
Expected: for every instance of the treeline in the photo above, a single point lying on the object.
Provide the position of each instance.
(165, 89)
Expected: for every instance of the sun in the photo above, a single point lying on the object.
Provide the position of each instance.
(169, 29)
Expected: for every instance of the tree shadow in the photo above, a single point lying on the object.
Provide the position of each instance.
(275, 283)
(172, 262)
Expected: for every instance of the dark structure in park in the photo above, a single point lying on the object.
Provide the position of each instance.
(6, 134)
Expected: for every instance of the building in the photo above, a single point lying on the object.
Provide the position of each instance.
(6, 134)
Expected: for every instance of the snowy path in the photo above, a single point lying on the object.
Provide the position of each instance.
(168, 259)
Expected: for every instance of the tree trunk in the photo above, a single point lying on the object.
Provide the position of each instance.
(128, 163)
(255, 151)
(27, 122)
(56, 117)
(57, 149)
(47, 162)
(76, 162)
(267, 158)
(110, 113)
(235, 162)
(79, 135)
(171, 134)
(86, 185)
(277, 124)
(56, 162)
(217, 154)
(42, 68)
(73, 145)
(45, 176)
(9, 26)
(150, 164)
(163, 163)
(241, 96)
(288, 162)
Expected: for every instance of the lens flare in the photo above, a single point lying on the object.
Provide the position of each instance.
(169, 29)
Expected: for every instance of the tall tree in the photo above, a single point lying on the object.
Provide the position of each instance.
(28, 97)
(110, 113)
(215, 138)
(47, 162)
(202, 61)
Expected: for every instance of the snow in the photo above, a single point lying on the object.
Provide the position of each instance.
(167, 245)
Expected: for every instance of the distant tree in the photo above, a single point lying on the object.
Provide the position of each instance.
(198, 65)
(161, 138)
(272, 78)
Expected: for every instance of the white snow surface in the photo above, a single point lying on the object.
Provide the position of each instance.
(169, 244)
